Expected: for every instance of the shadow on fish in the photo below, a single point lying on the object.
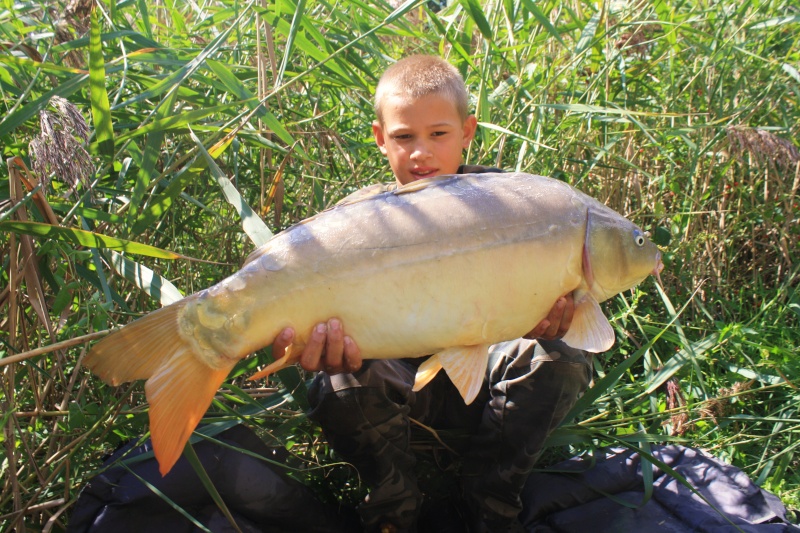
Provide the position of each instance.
(445, 266)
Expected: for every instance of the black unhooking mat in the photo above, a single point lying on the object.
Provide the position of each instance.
(580, 495)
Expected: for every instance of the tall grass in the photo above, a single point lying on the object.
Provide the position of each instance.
(682, 115)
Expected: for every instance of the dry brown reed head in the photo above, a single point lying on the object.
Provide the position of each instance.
(722, 406)
(676, 401)
(764, 147)
(639, 40)
(58, 148)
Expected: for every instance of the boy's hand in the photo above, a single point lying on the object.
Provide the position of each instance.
(557, 322)
(328, 348)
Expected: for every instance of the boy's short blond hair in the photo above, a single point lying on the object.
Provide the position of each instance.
(420, 75)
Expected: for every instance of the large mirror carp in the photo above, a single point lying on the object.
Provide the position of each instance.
(444, 267)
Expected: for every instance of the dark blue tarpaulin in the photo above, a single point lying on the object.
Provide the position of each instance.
(598, 494)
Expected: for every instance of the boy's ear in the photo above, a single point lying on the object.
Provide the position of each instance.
(380, 140)
(470, 127)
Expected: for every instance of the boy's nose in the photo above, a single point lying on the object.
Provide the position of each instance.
(420, 152)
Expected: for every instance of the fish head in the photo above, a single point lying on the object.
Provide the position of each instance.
(617, 254)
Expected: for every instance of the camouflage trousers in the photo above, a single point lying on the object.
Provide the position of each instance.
(530, 387)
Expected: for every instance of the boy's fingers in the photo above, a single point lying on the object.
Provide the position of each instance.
(557, 322)
(310, 358)
(538, 331)
(352, 355)
(282, 341)
(334, 346)
(566, 316)
(554, 317)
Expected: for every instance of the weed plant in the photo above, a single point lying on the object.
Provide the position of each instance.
(126, 129)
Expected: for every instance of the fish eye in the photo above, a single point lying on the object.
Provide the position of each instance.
(638, 237)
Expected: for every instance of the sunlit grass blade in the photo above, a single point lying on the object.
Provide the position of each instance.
(148, 161)
(178, 77)
(506, 131)
(473, 7)
(297, 19)
(588, 34)
(89, 239)
(191, 456)
(677, 362)
(531, 6)
(167, 500)
(177, 121)
(252, 224)
(101, 112)
(156, 286)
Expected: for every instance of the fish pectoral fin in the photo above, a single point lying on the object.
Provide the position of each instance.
(590, 329)
(426, 372)
(179, 393)
(465, 366)
(290, 357)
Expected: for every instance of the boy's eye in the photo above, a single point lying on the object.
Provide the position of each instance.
(439, 133)
(402, 136)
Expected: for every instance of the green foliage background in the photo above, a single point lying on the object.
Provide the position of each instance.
(683, 115)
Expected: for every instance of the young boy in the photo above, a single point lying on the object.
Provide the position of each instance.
(422, 128)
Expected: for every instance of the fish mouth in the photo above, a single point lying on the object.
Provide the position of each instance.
(658, 268)
(659, 265)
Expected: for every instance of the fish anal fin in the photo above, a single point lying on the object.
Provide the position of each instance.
(590, 329)
(465, 366)
(179, 395)
(426, 372)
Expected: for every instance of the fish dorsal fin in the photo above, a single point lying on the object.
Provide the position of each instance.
(590, 329)
(418, 185)
(465, 366)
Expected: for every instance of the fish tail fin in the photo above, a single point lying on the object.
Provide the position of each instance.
(139, 349)
(291, 357)
(180, 385)
(179, 393)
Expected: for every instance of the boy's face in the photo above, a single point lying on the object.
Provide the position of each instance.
(422, 137)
